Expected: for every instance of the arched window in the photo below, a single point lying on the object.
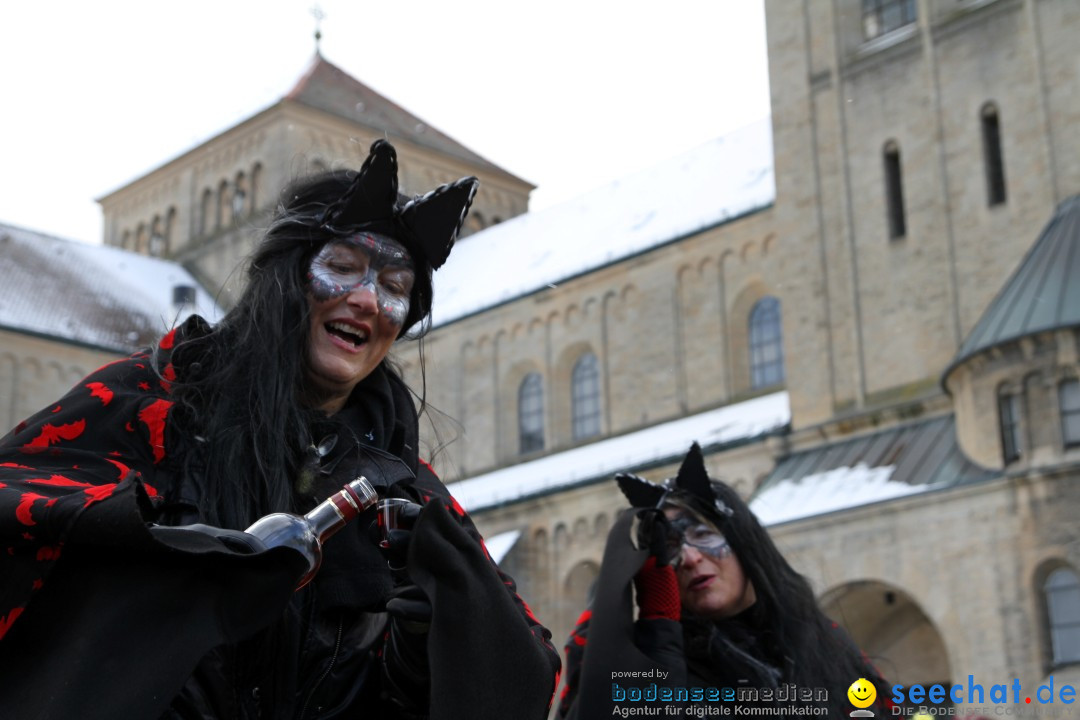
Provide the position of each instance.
(141, 239)
(993, 159)
(223, 207)
(206, 219)
(766, 344)
(585, 397)
(1069, 403)
(475, 222)
(894, 191)
(531, 413)
(1009, 423)
(239, 197)
(256, 180)
(1062, 590)
(157, 244)
(170, 227)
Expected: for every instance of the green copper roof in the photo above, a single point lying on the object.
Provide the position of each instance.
(1044, 292)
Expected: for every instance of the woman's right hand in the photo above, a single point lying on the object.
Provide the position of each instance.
(656, 586)
(654, 534)
(407, 602)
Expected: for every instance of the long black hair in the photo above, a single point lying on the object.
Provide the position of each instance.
(240, 386)
(812, 650)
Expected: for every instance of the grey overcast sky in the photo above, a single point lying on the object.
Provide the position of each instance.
(568, 94)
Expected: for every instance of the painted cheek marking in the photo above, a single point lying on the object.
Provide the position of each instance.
(394, 309)
(328, 284)
(323, 289)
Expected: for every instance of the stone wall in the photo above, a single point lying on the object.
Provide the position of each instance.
(35, 372)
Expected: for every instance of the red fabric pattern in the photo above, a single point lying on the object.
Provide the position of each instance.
(169, 375)
(58, 481)
(73, 454)
(52, 434)
(8, 620)
(22, 512)
(48, 552)
(153, 416)
(576, 637)
(101, 392)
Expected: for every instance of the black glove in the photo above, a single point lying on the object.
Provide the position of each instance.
(655, 534)
(409, 605)
(407, 602)
(396, 547)
(205, 536)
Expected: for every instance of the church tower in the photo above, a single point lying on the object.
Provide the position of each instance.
(920, 146)
(205, 208)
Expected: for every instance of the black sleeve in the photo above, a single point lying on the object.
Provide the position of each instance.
(406, 672)
(431, 486)
(609, 640)
(89, 596)
(660, 639)
(488, 654)
(67, 459)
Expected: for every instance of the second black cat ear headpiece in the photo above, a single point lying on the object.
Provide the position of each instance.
(691, 484)
(427, 225)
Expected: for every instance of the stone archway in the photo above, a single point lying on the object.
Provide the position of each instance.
(573, 598)
(893, 630)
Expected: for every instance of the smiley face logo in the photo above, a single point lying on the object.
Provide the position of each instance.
(862, 693)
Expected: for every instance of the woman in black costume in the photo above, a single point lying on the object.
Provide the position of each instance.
(127, 588)
(718, 607)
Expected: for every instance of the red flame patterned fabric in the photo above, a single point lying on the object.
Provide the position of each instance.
(108, 430)
(78, 480)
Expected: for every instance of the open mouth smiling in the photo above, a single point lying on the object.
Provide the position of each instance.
(354, 336)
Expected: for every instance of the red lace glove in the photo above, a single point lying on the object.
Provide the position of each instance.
(657, 591)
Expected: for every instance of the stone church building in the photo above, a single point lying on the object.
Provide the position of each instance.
(866, 310)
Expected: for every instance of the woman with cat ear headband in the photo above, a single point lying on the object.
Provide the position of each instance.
(693, 592)
(129, 588)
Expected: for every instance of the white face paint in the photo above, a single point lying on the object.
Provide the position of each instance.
(367, 261)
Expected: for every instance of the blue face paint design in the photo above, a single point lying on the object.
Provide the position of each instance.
(366, 261)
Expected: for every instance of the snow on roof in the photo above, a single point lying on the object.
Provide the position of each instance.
(95, 294)
(837, 489)
(729, 424)
(716, 182)
(499, 545)
(914, 457)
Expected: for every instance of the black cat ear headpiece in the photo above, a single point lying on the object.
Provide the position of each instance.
(427, 225)
(691, 483)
